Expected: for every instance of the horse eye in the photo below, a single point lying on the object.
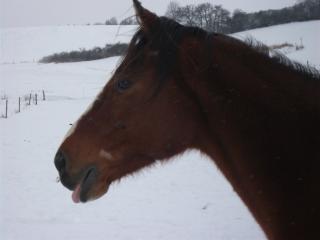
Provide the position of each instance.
(123, 85)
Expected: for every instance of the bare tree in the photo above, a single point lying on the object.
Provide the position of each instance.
(129, 21)
(111, 21)
(187, 16)
(172, 10)
(204, 15)
(221, 19)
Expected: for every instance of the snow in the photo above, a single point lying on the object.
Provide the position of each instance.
(33, 43)
(187, 198)
(306, 33)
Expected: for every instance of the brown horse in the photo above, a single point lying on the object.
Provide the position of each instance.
(255, 113)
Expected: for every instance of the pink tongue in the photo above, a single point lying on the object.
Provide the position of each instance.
(76, 194)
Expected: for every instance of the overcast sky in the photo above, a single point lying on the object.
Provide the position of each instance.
(20, 13)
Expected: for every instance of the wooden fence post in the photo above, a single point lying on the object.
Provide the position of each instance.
(19, 104)
(36, 99)
(30, 99)
(6, 116)
(43, 95)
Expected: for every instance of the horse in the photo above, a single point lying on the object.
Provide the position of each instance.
(254, 112)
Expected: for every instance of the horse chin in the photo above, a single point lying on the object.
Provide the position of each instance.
(89, 188)
(94, 195)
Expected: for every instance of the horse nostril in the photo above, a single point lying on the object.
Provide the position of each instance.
(60, 161)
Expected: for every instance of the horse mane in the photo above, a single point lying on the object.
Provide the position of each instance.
(309, 72)
(168, 34)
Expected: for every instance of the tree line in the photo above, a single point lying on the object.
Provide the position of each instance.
(110, 50)
(210, 17)
(127, 21)
(215, 18)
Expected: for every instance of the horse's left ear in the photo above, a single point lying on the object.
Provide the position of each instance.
(146, 19)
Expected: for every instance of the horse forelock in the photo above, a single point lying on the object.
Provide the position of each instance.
(163, 42)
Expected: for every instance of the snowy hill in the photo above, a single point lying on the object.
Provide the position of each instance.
(31, 44)
(307, 33)
(184, 199)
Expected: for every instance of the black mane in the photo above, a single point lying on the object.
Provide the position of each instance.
(277, 57)
(167, 35)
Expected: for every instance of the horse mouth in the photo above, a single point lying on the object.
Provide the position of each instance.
(82, 189)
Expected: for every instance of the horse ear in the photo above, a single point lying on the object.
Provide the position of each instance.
(146, 19)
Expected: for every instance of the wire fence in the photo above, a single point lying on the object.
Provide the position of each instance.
(14, 106)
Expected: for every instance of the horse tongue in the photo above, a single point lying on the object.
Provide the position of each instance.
(76, 194)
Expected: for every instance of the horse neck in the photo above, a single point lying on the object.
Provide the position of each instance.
(252, 107)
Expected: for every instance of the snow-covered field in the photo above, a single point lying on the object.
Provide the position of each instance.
(33, 43)
(186, 198)
(305, 33)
